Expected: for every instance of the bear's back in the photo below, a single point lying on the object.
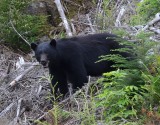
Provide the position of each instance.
(89, 38)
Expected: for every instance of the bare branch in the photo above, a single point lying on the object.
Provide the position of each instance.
(63, 17)
(154, 30)
(39, 90)
(73, 28)
(20, 76)
(118, 22)
(19, 33)
(156, 19)
(7, 109)
(18, 112)
(90, 23)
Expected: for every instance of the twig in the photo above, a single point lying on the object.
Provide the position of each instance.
(10, 14)
(13, 83)
(18, 112)
(19, 33)
(76, 93)
(65, 100)
(7, 109)
(156, 19)
(118, 22)
(8, 68)
(99, 6)
(63, 17)
(90, 23)
(154, 30)
(25, 119)
(73, 28)
(41, 117)
(78, 106)
(152, 38)
(18, 107)
(98, 10)
(88, 85)
(39, 90)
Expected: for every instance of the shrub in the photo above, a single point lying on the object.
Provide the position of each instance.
(29, 26)
(119, 99)
(146, 10)
(125, 94)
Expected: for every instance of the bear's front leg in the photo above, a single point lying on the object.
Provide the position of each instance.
(77, 75)
(58, 81)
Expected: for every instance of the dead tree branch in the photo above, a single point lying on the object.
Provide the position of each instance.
(18, 112)
(90, 23)
(13, 83)
(154, 30)
(63, 17)
(156, 19)
(19, 33)
(7, 109)
(118, 20)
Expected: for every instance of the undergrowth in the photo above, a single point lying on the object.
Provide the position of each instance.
(130, 95)
(145, 11)
(13, 19)
(127, 94)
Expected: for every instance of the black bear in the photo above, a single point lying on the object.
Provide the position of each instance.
(73, 59)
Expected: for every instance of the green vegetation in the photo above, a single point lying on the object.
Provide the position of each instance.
(29, 26)
(145, 10)
(148, 8)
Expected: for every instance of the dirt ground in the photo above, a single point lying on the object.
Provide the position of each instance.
(28, 99)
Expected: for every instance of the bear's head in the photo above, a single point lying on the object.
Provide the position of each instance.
(45, 52)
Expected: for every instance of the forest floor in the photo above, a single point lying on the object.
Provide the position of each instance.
(28, 99)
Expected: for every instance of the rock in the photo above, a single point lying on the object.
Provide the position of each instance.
(43, 8)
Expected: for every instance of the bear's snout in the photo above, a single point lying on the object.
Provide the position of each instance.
(44, 63)
(44, 60)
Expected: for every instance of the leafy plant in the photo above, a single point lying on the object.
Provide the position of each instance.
(86, 108)
(117, 98)
(120, 61)
(127, 92)
(12, 15)
(56, 114)
(146, 10)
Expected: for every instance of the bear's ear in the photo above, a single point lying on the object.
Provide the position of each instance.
(53, 43)
(33, 46)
